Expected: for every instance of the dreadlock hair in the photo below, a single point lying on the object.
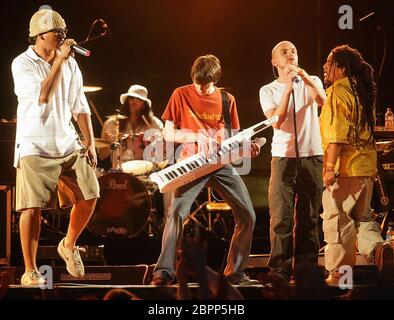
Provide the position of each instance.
(360, 75)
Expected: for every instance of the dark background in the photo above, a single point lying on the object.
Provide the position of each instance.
(154, 43)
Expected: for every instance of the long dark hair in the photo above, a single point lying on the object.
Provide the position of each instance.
(146, 111)
(361, 78)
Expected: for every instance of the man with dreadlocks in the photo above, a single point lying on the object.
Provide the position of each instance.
(349, 166)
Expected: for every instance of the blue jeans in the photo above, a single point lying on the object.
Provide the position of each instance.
(295, 194)
(233, 190)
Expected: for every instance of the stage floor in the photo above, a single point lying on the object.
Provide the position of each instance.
(99, 280)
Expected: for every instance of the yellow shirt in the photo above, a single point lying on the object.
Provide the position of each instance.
(337, 125)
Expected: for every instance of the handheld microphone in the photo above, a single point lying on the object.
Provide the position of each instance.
(260, 141)
(296, 79)
(81, 50)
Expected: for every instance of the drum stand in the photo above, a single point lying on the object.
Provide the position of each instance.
(116, 156)
(213, 216)
(194, 220)
(116, 149)
(152, 223)
(210, 217)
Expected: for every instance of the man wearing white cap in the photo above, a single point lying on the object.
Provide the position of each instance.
(49, 156)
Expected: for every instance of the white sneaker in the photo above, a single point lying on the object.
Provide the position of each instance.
(72, 258)
(32, 278)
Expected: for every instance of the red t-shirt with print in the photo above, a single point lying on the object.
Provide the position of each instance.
(189, 110)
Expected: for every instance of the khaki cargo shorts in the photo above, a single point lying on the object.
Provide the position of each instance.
(39, 180)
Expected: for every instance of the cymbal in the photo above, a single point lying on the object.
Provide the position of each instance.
(122, 135)
(100, 143)
(91, 88)
(116, 117)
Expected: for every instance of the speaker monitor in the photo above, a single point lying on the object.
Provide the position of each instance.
(7, 145)
(5, 224)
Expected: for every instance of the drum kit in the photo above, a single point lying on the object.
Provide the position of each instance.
(127, 203)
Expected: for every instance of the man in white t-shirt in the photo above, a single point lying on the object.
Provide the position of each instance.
(295, 188)
(49, 155)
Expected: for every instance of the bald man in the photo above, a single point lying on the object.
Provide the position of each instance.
(295, 188)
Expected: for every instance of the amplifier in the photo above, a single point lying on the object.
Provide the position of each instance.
(5, 224)
(7, 145)
(94, 275)
(93, 254)
(388, 167)
(381, 133)
(386, 161)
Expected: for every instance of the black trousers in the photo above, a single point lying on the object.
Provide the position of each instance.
(295, 194)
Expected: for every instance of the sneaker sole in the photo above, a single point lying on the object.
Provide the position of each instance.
(161, 283)
(40, 282)
(32, 285)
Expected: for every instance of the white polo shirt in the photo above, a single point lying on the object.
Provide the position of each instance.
(46, 129)
(308, 129)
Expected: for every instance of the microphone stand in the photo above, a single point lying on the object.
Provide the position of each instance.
(90, 39)
(102, 35)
